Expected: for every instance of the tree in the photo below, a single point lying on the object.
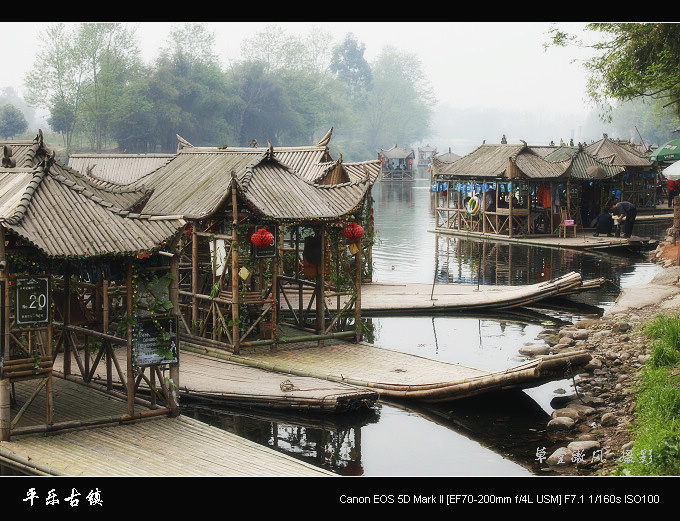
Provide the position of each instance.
(350, 66)
(12, 121)
(80, 75)
(188, 90)
(634, 60)
(400, 103)
(57, 79)
(111, 59)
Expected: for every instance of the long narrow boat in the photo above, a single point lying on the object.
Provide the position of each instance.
(408, 297)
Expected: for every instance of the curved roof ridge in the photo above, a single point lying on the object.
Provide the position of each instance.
(25, 201)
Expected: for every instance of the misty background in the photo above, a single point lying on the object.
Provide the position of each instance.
(134, 86)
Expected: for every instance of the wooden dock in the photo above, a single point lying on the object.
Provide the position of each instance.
(215, 378)
(394, 374)
(159, 446)
(208, 377)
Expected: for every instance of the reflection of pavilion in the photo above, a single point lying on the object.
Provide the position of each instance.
(331, 442)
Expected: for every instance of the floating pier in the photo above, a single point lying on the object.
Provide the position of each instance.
(395, 374)
(159, 446)
(216, 379)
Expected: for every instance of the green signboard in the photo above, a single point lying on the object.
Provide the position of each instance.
(156, 341)
(33, 300)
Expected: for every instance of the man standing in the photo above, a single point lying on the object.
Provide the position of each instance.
(628, 210)
(672, 191)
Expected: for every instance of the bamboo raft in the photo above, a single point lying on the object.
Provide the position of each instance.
(582, 241)
(208, 377)
(214, 379)
(394, 374)
(377, 297)
(159, 446)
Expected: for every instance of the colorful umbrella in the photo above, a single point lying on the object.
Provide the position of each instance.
(668, 152)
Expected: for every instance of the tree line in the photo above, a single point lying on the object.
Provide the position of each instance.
(286, 89)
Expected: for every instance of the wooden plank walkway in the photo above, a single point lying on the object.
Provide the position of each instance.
(159, 446)
(400, 375)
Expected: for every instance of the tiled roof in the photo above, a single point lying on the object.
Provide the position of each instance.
(117, 168)
(584, 165)
(197, 180)
(396, 153)
(493, 161)
(53, 209)
(609, 151)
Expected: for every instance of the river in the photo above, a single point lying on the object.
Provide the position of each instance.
(487, 436)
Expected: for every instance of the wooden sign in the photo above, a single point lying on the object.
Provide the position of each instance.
(33, 300)
(155, 341)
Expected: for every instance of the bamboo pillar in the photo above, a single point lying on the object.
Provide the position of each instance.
(276, 269)
(194, 279)
(320, 289)
(483, 209)
(130, 367)
(510, 205)
(234, 267)
(173, 397)
(5, 412)
(357, 281)
(105, 327)
(67, 319)
(49, 393)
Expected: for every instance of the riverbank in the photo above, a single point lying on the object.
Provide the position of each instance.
(591, 428)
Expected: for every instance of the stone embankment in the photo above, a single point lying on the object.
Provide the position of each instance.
(591, 426)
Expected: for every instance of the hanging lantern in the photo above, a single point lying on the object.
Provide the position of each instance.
(353, 231)
(262, 238)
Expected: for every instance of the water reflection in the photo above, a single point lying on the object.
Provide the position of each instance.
(493, 435)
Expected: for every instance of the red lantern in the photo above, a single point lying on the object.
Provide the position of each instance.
(353, 231)
(262, 238)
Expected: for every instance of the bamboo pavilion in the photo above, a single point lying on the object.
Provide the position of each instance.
(277, 236)
(74, 265)
(518, 190)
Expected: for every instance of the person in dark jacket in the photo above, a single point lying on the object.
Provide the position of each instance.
(629, 211)
(603, 223)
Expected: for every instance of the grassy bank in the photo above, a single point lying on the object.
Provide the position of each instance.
(656, 429)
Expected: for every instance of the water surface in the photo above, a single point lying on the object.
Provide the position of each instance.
(489, 436)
